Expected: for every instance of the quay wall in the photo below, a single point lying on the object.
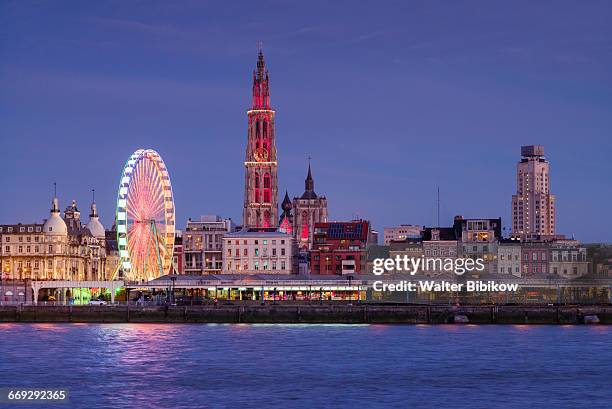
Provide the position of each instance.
(283, 313)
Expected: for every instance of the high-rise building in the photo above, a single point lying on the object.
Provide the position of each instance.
(261, 167)
(533, 206)
(309, 209)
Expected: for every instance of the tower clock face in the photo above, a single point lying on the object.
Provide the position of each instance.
(261, 155)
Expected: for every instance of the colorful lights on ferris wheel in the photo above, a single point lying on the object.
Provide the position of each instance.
(145, 217)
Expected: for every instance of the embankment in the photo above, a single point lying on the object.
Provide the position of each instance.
(283, 313)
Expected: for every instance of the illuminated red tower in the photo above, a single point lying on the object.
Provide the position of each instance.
(261, 168)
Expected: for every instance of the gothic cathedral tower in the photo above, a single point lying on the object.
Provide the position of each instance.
(261, 167)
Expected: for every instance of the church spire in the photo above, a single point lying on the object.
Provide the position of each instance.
(309, 192)
(286, 205)
(261, 90)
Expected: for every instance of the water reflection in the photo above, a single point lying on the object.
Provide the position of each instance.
(192, 366)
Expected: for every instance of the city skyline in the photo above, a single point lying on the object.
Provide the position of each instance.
(107, 111)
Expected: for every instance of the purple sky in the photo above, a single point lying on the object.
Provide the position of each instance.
(390, 99)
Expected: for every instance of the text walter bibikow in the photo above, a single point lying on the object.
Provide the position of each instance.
(413, 265)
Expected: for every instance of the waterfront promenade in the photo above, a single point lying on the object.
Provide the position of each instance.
(313, 313)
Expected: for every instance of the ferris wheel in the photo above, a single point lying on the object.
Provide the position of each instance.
(145, 217)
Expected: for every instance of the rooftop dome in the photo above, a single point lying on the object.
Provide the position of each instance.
(55, 225)
(95, 227)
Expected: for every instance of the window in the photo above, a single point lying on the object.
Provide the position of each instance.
(274, 252)
(282, 252)
(246, 252)
(257, 265)
(267, 181)
(256, 251)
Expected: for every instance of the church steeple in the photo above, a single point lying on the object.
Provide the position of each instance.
(261, 176)
(286, 205)
(261, 80)
(309, 192)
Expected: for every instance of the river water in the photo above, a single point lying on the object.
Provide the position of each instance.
(311, 366)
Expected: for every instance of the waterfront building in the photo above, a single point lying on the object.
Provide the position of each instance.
(112, 254)
(177, 255)
(310, 209)
(375, 251)
(533, 206)
(60, 248)
(478, 238)
(203, 244)
(22, 252)
(536, 255)
(411, 248)
(401, 232)
(253, 251)
(439, 242)
(568, 259)
(261, 166)
(340, 247)
(509, 257)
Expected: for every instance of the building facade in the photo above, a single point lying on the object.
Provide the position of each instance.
(340, 247)
(177, 254)
(509, 257)
(58, 249)
(533, 206)
(401, 232)
(202, 245)
(439, 242)
(536, 256)
(258, 252)
(261, 166)
(309, 209)
(479, 239)
(568, 259)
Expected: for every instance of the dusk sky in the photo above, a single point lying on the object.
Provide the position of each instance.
(391, 99)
